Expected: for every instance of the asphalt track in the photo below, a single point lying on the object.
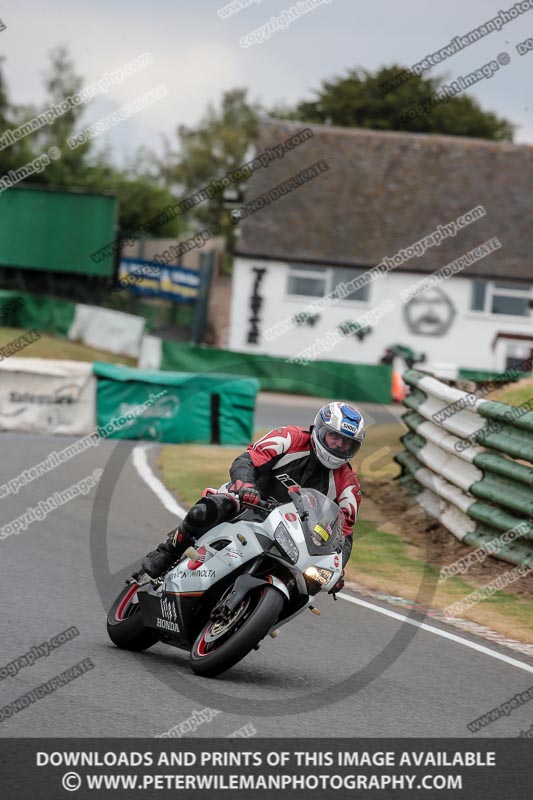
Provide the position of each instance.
(349, 672)
(274, 409)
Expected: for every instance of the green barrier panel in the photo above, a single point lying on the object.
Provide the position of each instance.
(410, 484)
(236, 412)
(484, 376)
(363, 382)
(413, 442)
(480, 512)
(412, 376)
(496, 518)
(409, 462)
(194, 408)
(504, 492)
(499, 490)
(413, 420)
(521, 416)
(509, 440)
(516, 552)
(491, 462)
(505, 485)
(46, 314)
(414, 399)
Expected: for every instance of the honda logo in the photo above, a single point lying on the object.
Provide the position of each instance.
(168, 609)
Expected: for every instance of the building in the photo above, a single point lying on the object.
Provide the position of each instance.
(412, 203)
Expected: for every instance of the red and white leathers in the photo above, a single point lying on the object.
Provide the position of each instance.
(279, 460)
(285, 457)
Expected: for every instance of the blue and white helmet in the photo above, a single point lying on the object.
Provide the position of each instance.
(346, 428)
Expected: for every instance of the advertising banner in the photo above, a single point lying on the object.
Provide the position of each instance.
(179, 284)
(40, 395)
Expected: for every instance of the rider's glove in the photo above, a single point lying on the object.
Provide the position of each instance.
(247, 492)
(338, 586)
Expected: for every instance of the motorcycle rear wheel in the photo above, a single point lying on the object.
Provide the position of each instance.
(125, 626)
(210, 658)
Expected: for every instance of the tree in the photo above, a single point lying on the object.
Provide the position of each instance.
(140, 200)
(220, 143)
(141, 193)
(62, 82)
(360, 100)
(19, 152)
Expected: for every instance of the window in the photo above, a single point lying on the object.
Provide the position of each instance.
(479, 292)
(309, 281)
(320, 281)
(343, 276)
(498, 297)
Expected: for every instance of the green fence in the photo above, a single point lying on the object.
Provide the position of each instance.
(46, 314)
(362, 382)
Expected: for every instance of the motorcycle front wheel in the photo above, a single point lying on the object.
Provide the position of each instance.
(125, 626)
(221, 645)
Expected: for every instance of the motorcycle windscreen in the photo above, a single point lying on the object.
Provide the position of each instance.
(323, 521)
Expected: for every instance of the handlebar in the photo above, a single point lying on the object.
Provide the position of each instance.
(263, 505)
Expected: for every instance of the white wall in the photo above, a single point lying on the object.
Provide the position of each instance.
(467, 342)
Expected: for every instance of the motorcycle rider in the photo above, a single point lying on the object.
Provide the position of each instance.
(316, 458)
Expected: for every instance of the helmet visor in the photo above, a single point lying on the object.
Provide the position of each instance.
(336, 443)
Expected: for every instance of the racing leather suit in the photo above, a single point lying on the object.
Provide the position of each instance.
(282, 458)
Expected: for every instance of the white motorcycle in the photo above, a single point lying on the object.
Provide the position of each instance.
(243, 580)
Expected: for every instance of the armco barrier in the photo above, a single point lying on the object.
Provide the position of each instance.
(468, 461)
(210, 409)
(363, 382)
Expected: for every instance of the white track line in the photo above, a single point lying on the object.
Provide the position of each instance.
(140, 462)
(439, 632)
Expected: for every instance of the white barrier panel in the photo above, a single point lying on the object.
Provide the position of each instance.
(40, 395)
(105, 329)
(151, 353)
(439, 369)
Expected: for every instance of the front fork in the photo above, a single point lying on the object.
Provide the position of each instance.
(242, 586)
(248, 581)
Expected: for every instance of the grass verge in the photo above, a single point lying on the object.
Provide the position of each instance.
(514, 394)
(382, 561)
(54, 347)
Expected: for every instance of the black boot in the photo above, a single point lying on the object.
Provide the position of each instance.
(159, 560)
(204, 514)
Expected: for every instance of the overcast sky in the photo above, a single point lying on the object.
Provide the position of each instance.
(197, 55)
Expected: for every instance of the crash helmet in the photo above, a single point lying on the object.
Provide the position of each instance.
(337, 433)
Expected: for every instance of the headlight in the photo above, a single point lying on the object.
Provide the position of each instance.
(318, 574)
(286, 543)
